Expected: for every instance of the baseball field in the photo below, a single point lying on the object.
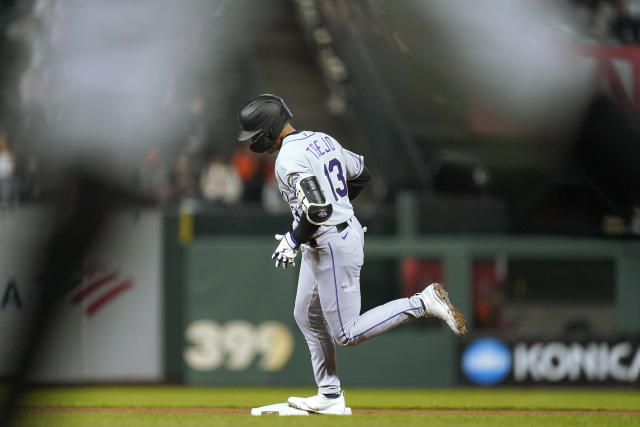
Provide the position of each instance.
(161, 406)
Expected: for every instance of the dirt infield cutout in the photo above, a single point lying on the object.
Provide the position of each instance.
(356, 411)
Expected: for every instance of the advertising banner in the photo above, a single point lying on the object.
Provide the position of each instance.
(239, 328)
(489, 361)
(107, 326)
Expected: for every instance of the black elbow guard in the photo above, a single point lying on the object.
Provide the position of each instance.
(311, 197)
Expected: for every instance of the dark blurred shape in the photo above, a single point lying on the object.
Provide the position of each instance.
(539, 297)
(501, 105)
(378, 276)
(607, 149)
(32, 185)
(567, 280)
(578, 329)
(462, 214)
(85, 202)
(488, 295)
(625, 26)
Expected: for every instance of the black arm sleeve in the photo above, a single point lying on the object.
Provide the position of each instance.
(356, 185)
(304, 230)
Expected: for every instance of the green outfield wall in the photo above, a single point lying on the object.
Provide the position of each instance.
(230, 312)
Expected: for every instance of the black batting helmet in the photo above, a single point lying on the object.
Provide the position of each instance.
(262, 120)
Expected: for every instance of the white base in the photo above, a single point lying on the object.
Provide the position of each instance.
(283, 409)
(277, 409)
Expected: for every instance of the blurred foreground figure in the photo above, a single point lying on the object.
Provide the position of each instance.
(85, 203)
(318, 178)
(7, 171)
(532, 76)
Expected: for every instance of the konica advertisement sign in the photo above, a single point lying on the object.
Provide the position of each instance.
(492, 361)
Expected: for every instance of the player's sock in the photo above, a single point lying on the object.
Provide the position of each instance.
(331, 395)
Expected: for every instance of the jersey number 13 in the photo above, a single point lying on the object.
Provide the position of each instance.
(334, 171)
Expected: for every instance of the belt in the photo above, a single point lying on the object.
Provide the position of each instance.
(340, 227)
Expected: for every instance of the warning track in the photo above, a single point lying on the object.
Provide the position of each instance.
(356, 411)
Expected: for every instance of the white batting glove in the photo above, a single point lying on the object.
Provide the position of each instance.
(286, 251)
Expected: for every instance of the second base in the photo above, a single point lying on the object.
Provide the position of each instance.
(277, 409)
(284, 409)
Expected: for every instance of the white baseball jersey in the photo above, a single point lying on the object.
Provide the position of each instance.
(321, 155)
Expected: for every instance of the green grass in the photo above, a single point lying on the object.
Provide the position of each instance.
(356, 398)
(129, 397)
(140, 420)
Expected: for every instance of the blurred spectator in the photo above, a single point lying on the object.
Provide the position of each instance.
(219, 181)
(32, 180)
(198, 129)
(635, 221)
(8, 183)
(184, 183)
(251, 170)
(624, 27)
(271, 197)
(153, 177)
(488, 293)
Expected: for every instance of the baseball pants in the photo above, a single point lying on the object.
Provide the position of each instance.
(328, 302)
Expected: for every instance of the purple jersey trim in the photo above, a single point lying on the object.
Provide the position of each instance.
(335, 283)
(295, 242)
(285, 140)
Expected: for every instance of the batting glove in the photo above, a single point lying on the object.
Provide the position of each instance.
(286, 251)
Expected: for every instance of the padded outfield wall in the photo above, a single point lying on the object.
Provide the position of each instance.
(214, 310)
(235, 325)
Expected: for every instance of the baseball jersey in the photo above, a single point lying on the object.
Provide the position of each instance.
(321, 155)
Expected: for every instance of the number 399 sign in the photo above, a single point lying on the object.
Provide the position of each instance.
(236, 344)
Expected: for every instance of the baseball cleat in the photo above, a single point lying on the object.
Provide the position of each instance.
(437, 304)
(319, 404)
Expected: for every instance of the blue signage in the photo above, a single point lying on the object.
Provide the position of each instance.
(486, 361)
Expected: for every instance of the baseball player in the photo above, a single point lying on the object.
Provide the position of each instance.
(318, 178)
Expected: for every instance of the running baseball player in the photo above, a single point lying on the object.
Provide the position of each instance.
(318, 178)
